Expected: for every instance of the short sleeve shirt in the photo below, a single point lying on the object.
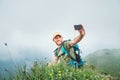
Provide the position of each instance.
(63, 57)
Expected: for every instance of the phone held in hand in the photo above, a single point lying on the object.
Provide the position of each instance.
(78, 27)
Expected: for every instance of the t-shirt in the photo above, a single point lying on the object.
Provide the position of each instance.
(64, 57)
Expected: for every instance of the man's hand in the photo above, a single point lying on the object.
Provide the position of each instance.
(82, 31)
(54, 62)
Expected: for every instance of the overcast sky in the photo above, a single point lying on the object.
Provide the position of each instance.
(31, 23)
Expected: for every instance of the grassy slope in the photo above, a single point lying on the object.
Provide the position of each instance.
(107, 61)
(104, 60)
(59, 72)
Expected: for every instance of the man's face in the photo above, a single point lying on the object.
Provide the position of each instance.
(58, 40)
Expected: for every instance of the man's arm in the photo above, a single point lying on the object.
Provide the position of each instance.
(54, 62)
(79, 37)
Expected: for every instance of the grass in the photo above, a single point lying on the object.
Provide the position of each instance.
(107, 61)
(58, 72)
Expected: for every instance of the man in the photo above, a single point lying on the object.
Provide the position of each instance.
(68, 45)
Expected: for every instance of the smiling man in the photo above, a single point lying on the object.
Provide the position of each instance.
(65, 51)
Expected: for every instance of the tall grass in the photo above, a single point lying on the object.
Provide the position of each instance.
(59, 71)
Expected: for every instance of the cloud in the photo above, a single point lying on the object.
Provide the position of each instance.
(28, 23)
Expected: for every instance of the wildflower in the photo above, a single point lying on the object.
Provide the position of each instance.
(59, 71)
(50, 74)
(59, 74)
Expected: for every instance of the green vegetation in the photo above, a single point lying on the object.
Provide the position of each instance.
(107, 61)
(58, 72)
(101, 65)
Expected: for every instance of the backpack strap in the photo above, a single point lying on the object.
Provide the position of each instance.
(65, 51)
(73, 62)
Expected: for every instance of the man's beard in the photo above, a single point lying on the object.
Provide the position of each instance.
(58, 44)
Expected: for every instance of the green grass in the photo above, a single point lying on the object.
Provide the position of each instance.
(106, 61)
(58, 72)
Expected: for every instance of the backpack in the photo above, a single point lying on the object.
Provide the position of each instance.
(77, 61)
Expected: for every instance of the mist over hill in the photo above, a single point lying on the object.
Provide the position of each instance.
(106, 60)
(9, 62)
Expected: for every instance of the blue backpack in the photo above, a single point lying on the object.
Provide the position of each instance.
(77, 62)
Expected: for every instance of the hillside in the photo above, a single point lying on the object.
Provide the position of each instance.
(106, 60)
(57, 72)
(103, 60)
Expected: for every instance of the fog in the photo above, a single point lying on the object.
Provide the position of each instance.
(29, 25)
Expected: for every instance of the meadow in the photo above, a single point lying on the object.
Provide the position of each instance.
(59, 71)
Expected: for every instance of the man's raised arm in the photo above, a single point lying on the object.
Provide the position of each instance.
(79, 37)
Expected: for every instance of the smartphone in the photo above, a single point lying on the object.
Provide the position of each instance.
(77, 27)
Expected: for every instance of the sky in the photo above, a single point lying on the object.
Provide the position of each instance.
(30, 24)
